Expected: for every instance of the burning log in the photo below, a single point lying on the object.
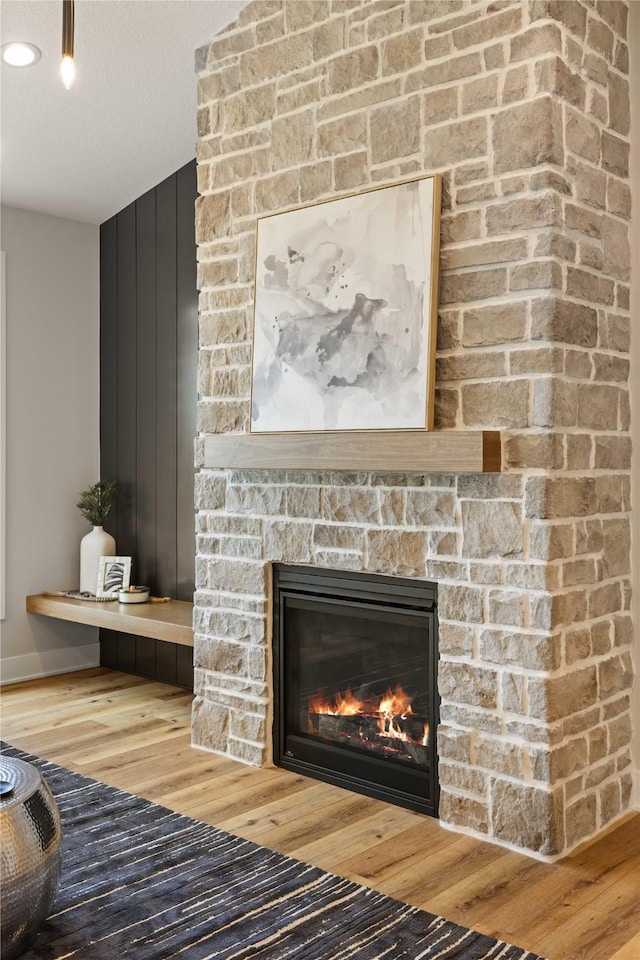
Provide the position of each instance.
(403, 737)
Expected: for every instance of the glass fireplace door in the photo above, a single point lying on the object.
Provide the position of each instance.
(355, 698)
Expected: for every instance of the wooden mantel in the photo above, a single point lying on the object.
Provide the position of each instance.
(406, 451)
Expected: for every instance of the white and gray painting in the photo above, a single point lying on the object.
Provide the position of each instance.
(342, 313)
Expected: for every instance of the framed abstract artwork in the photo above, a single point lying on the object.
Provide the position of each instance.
(114, 574)
(345, 312)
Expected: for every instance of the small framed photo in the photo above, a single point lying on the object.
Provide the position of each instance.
(114, 574)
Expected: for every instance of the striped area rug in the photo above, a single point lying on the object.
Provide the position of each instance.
(143, 883)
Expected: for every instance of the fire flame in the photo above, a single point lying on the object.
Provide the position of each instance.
(393, 706)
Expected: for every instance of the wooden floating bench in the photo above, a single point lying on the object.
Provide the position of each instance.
(171, 621)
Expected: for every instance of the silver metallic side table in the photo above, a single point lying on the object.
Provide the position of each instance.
(30, 853)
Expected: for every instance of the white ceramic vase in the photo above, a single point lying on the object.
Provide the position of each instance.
(96, 544)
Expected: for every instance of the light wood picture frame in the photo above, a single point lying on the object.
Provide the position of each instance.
(114, 574)
(345, 312)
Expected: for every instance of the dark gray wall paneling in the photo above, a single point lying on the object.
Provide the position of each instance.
(148, 369)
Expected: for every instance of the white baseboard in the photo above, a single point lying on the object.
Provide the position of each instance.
(65, 660)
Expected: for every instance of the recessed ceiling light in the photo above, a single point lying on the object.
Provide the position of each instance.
(20, 54)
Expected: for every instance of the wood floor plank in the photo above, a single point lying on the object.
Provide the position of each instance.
(135, 734)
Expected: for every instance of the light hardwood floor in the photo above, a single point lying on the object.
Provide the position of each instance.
(135, 734)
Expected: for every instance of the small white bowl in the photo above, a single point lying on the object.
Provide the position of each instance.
(134, 595)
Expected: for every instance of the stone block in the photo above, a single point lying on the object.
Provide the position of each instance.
(499, 404)
(354, 69)
(209, 725)
(577, 645)
(275, 59)
(553, 698)
(528, 135)
(447, 404)
(598, 406)
(526, 213)
(440, 105)
(499, 323)
(498, 755)
(554, 402)
(461, 777)
(471, 366)
(338, 536)
(395, 130)
(581, 819)
(448, 71)
(582, 136)
(223, 416)
(461, 226)
(292, 139)
(351, 505)
(212, 216)
(615, 676)
(619, 107)
(587, 222)
(535, 42)
(249, 108)
(256, 500)
(616, 248)
(491, 529)
(516, 85)
(461, 603)
(437, 47)
(590, 185)
(237, 576)
(455, 142)
(430, 508)
(463, 811)
(480, 94)
(616, 547)
(578, 572)
(536, 275)
(277, 192)
(228, 326)
(612, 453)
(553, 318)
(456, 640)
(288, 541)
(553, 76)
(527, 816)
(557, 497)
(526, 451)
(210, 489)
(315, 180)
(303, 501)
(465, 683)
(402, 53)
(395, 552)
(506, 607)
(343, 135)
(615, 155)
(589, 286)
(350, 171)
(500, 24)
(531, 650)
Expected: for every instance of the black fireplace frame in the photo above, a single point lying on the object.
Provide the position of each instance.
(414, 788)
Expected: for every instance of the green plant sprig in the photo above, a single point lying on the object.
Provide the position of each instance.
(96, 502)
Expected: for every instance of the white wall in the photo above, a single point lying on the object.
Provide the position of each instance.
(634, 47)
(52, 430)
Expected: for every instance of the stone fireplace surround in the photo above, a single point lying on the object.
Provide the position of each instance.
(524, 109)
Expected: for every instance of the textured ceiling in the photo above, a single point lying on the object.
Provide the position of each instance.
(128, 121)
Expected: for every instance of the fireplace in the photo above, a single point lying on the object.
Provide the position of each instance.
(355, 660)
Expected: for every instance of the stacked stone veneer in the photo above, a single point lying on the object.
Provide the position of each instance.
(523, 107)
